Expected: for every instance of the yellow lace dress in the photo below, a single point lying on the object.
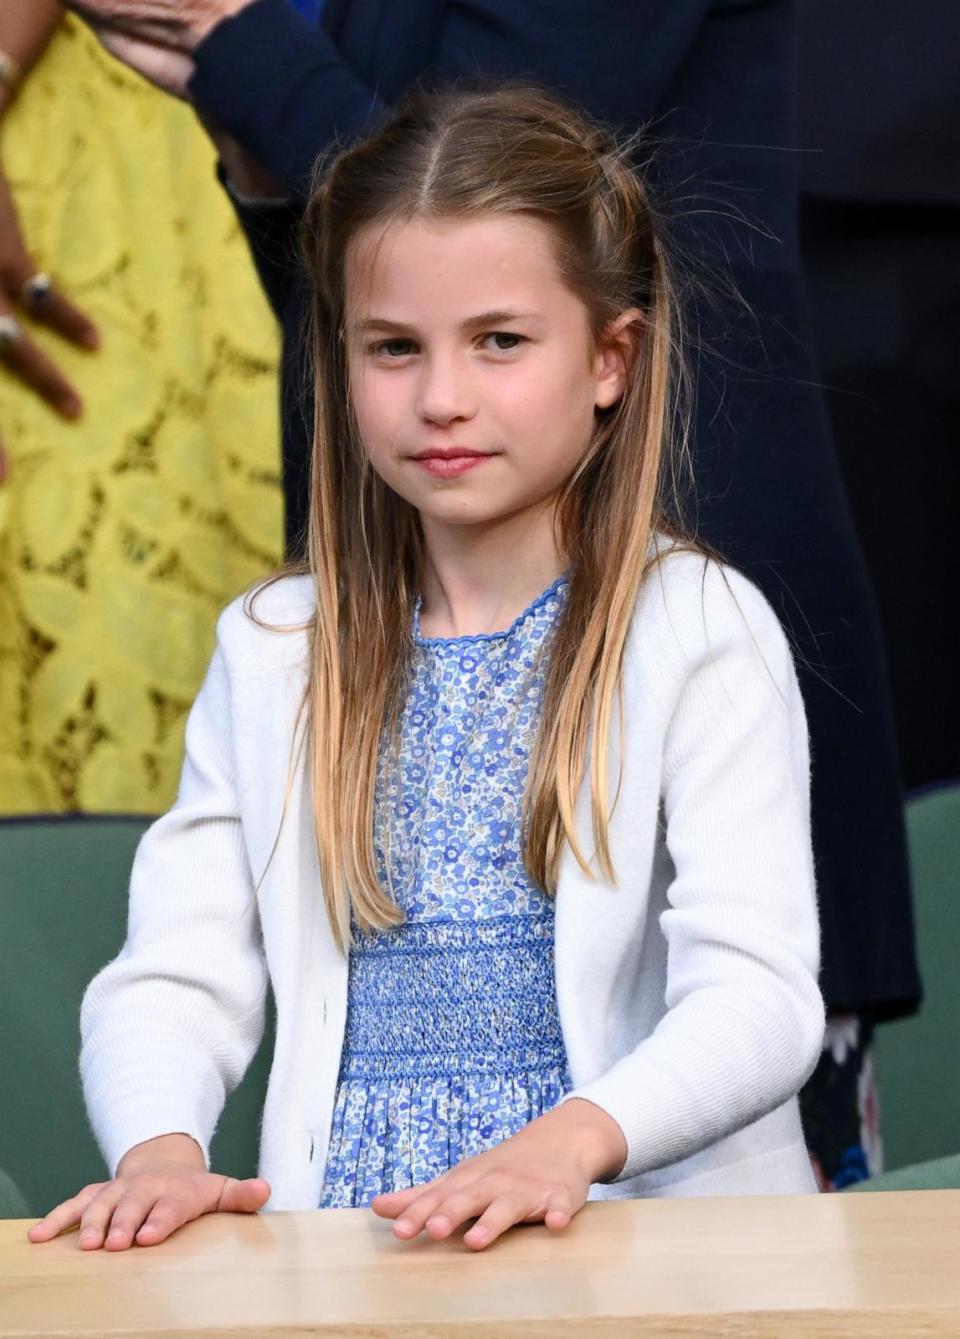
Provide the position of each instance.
(123, 534)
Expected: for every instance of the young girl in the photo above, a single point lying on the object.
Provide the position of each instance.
(506, 796)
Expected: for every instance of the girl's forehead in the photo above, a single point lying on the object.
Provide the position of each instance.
(400, 255)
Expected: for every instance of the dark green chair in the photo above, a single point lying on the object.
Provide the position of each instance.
(63, 908)
(917, 1066)
(941, 1174)
(12, 1203)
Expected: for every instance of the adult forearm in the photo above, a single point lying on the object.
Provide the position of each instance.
(26, 27)
(245, 174)
(245, 71)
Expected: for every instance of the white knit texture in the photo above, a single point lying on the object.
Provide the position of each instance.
(687, 991)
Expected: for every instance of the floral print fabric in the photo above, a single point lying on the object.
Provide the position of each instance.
(453, 1039)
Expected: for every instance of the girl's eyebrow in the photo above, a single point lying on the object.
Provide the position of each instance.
(501, 316)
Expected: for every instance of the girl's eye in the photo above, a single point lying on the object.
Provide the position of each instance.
(394, 348)
(503, 341)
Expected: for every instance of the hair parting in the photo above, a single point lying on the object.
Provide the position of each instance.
(457, 155)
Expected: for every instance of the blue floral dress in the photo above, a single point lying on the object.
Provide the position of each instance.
(453, 1039)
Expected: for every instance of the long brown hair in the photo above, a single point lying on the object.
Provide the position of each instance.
(461, 154)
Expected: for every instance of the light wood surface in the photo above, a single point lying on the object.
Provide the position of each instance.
(837, 1265)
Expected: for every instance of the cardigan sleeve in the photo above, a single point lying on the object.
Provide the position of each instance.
(169, 1026)
(744, 1021)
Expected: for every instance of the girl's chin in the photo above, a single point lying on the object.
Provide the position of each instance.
(464, 502)
(443, 508)
(478, 517)
(460, 517)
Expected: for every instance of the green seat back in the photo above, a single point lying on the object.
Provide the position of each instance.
(917, 1068)
(12, 1203)
(941, 1174)
(63, 908)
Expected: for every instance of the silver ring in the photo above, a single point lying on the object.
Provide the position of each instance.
(36, 290)
(9, 71)
(11, 333)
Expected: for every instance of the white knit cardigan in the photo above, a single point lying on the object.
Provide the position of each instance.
(687, 991)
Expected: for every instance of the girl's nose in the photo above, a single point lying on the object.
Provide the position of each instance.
(445, 392)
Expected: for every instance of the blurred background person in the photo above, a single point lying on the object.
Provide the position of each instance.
(880, 226)
(715, 77)
(881, 234)
(138, 421)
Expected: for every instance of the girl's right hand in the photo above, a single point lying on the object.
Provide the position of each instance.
(147, 1206)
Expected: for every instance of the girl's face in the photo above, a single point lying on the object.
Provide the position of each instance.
(473, 373)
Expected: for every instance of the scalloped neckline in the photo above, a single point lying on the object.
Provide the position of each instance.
(470, 638)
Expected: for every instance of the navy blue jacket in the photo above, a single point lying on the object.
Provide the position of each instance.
(716, 78)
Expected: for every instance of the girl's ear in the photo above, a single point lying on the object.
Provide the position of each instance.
(617, 349)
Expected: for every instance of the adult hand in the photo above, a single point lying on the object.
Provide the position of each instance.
(47, 305)
(178, 24)
(159, 1186)
(541, 1174)
(164, 66)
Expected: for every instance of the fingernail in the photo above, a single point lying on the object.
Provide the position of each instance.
(90, 1235)
(71, 406)
(477, 1236)
(403, 1225)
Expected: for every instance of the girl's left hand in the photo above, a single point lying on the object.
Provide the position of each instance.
(541, 1174)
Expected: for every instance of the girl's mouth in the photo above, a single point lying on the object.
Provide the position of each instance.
(448, 463)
